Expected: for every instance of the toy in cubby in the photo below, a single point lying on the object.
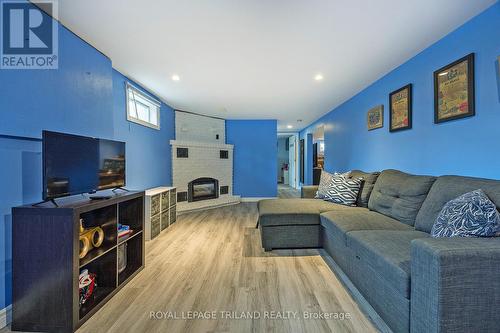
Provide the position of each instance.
(86, 285)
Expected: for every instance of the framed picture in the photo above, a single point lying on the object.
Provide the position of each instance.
(454, 90)
(400, 109)
(375, 117)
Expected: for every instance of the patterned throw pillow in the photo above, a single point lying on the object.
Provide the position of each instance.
(324, 181)
(343, 190)
(470, 215)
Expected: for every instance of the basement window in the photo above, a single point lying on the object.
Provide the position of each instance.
(141, 108)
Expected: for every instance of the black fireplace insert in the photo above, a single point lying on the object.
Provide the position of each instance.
(203, 189)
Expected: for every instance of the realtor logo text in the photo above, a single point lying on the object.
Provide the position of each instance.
(29, 35)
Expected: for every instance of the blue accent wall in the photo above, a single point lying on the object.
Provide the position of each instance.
(149, 158)
(84, 96)
(75, 98)
(463, 147)
(255, 156)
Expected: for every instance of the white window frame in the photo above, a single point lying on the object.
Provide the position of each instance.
(132, 94)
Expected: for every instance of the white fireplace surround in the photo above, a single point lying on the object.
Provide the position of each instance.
(204, 137)
(203, 161)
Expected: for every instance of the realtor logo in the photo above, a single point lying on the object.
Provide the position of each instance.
(29, 35)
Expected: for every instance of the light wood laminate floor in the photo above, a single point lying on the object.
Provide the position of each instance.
(286, 191)
(212, 261)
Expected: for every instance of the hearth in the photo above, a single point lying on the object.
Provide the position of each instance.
(203, 189)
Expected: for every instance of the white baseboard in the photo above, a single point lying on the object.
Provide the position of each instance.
(5, 316)
(255, 199)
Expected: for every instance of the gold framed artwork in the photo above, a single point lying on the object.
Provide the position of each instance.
(400, 109)
(375, 117)
(454, 90)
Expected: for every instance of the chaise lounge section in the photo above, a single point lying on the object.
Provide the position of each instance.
(415, 283)
(295, 223)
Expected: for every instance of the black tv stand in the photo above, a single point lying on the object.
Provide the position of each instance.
(49, 200)
(46, 264)
(119, 188)
(100, 197)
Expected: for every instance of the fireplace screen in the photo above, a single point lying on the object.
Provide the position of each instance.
(203, 189)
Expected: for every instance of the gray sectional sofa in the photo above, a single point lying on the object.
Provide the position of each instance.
(416, 283)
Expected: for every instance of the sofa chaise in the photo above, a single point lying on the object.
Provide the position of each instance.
(415, 283)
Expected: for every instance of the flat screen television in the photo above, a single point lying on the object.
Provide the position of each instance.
(111, 164)
(74, 164)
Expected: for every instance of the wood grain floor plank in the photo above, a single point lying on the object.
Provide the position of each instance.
(285, 191)
(213, 261)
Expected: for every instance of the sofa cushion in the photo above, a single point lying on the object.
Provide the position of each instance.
(308, 191)
(358, 218)
(400, 195)
(447, 188)
(369, 180)
(295, 211)
(386, 252)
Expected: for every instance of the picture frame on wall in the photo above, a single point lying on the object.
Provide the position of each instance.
(454, 90)
(400, 109)
(375, 117)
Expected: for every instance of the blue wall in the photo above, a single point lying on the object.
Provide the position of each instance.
(255, 156)
(84, 96)
(149, 158)
(464, 147)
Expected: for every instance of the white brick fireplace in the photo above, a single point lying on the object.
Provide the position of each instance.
(200, 152)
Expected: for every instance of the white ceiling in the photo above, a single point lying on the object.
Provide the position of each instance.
(256, 59)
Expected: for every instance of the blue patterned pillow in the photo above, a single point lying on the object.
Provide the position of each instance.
(470, 215)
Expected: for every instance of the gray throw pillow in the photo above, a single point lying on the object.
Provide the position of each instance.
(369, 179)
(470, 215)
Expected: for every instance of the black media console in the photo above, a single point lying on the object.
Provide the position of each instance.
(46, 264)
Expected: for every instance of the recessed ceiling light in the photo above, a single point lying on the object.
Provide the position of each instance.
(318, 77)
(289, 126)
(175, 77)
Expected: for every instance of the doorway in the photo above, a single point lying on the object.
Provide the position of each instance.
(318, 153)
(287, 161)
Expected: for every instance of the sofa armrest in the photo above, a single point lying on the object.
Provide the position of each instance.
(308, 191)
(455, 285)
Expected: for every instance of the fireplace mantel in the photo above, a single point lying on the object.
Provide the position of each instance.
(179, 143)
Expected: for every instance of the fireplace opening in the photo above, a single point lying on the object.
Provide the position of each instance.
(203, 189)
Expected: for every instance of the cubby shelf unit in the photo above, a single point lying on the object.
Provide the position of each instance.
(46, 264)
